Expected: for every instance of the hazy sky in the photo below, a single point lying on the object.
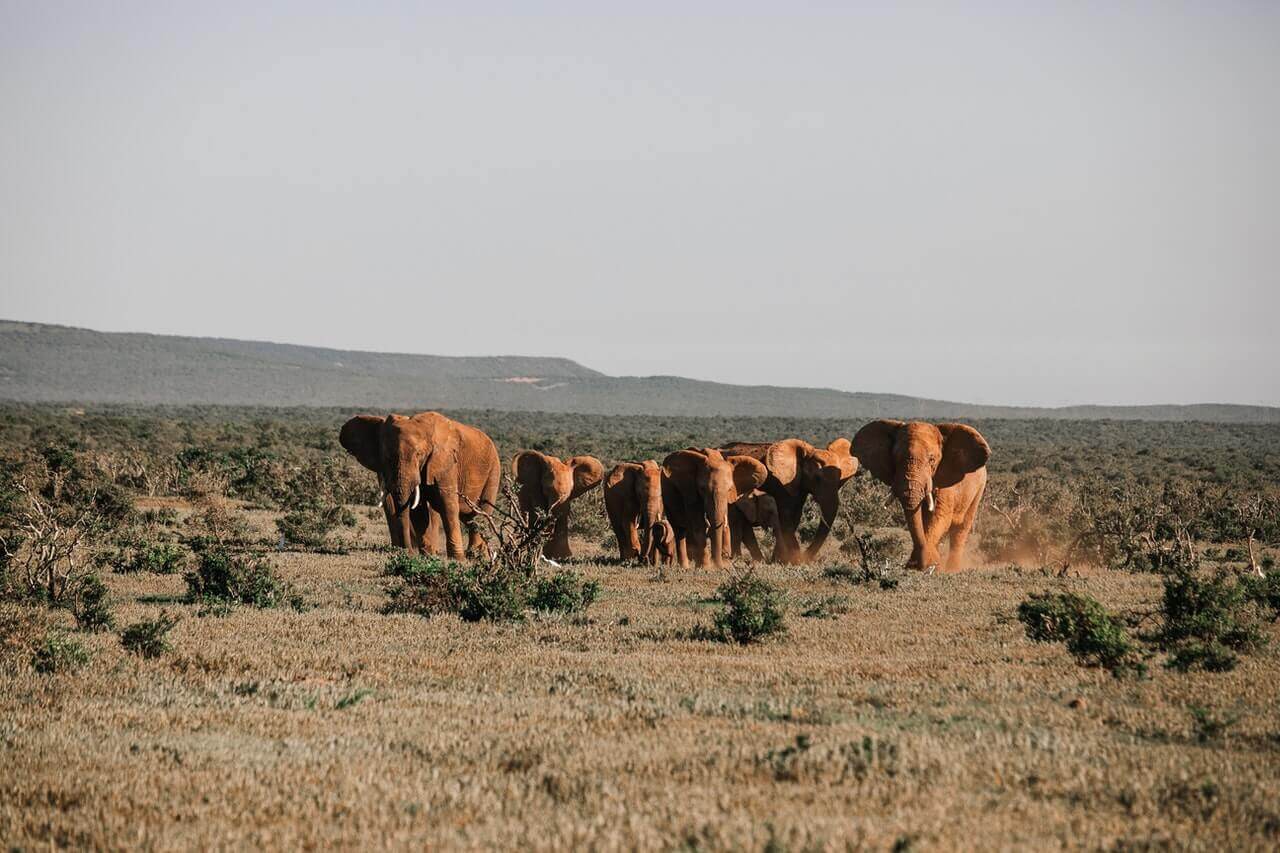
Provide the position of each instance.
(1028, 203)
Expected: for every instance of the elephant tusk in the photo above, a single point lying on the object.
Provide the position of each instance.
(417, 496)
(382, 496)
(930, 496)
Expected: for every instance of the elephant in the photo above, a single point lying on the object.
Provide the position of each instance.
(664, 549)
(427, 463)
(938, 473)
(698, 485)
(633, 501)
(548, 484)
(797, 470)
(757, 509)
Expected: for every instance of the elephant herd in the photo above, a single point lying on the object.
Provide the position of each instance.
(700, 505)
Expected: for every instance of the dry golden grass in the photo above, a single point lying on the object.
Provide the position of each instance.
(927, 719)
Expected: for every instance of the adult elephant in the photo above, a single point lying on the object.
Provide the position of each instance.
(938, 472)
(748, 512)
(697, 488)
(633, 501)
(797, 470)
(427, 462)
(549, 484)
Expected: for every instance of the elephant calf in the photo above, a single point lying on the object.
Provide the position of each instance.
(547, 484)
(697, 488)
(757, 509)
(938, 472)
(797, 470)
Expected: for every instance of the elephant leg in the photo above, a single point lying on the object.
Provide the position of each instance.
(955, 556)
(682, 553)
(828, 507)
(449, 513)
(786, 549)
(557, 547)
(423, 534)
(748, 534)
(395, 523)
(628, 540)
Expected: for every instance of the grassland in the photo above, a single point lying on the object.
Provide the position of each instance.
(912, 717)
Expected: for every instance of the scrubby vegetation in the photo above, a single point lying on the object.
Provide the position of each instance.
(849, 704)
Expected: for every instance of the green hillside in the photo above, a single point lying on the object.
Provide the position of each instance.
(57, 364)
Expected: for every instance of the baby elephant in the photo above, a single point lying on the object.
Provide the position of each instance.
(548, 484)
(757, 509)
(663, 548)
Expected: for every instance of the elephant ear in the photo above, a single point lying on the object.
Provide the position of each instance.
(964, 450)
(623, 475)
(748, 474)
(529, 468)
(587, 474)
(360, 437)
(844, 458)
(785, 459)
(681, 469)
(873, 447)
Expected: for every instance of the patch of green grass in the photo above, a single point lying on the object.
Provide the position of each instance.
(149, 637)
(59, 652)
(1092, 635)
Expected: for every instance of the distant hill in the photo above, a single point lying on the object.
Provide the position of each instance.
(58, 364)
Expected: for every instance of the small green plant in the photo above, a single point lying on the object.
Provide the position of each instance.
(1208, 726)
(825, 607)
(149, 637)
(161, 558)
(430, 586)
(310, 525)
(222, 577)
(58, 652)
(753, 610)
(1264, 591)
(1092, 635)
(92, 605)
(564, 592)
(353, 698)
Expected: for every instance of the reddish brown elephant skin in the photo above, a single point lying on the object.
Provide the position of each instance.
(797, 470)
(698, 485)
(633, 502)
(919, 460)
(748, 512)
(451, 469)
(549, 484)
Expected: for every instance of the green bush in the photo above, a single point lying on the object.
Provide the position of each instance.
(59, 652)
(430, 586)
(564, 592)
(149, 638)
(753, 610)
(222, 577)
(309, 525)
(1091, 634)
(1264, 592)
(1207, 619)
(161, 558)
(92, 605)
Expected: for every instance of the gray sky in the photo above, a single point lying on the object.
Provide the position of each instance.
(1026, 203)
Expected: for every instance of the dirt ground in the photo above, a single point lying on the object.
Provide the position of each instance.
(921, 718)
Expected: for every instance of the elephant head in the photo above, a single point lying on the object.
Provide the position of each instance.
(804, 469)
(396, 448)
(550, 485)
(916, 459)
(633, 496)
(706, 483)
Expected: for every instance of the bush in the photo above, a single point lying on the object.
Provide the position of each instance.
(161, 558)
(309, 526)
(92, 607)
(1264, 592)
(753, 610)
(1206, 620)
(1091, 634)
(430, 586)
(59, 652)
(564, 592)
(221, 577)
(149, 638)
